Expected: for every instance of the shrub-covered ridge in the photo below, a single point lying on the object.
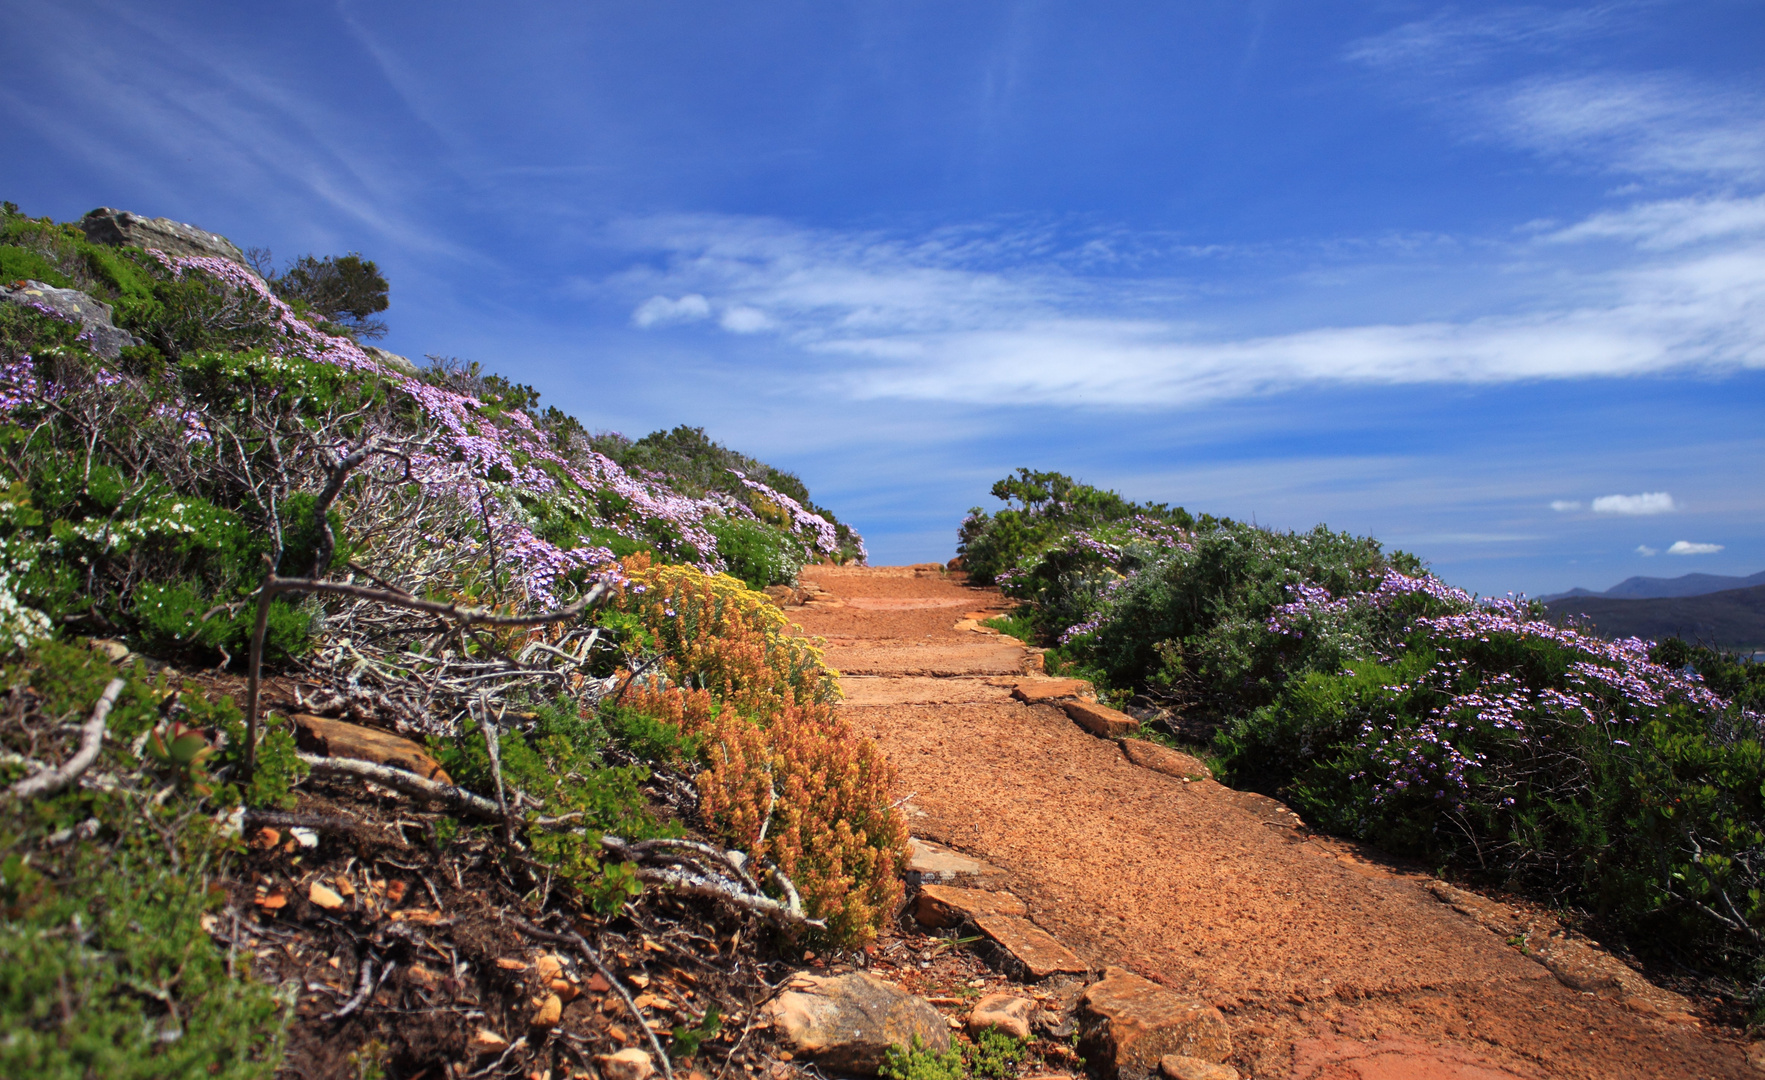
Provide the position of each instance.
(445, 559)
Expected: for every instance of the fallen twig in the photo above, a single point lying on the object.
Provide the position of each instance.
(409, 783)
(364, 986)
(50, 781)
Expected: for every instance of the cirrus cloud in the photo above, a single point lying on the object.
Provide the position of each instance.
(1649, 502)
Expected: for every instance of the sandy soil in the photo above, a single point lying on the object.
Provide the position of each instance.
(1329, 963)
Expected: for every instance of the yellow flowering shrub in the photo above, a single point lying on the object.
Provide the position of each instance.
(782, 776)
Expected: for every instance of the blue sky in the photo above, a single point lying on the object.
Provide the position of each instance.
(1486, 282)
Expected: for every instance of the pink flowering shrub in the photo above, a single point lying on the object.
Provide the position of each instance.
(1386, 705)
(1480, 734)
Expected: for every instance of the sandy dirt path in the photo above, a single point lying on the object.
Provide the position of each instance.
(1328, 963)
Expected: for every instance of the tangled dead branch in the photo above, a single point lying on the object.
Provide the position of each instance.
(49, 781)
(686, 866)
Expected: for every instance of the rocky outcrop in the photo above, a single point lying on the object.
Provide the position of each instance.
(390, 360)
(1128, 1025)
(119, 227)
(848, 1022)
(334, 738)
(96, 329)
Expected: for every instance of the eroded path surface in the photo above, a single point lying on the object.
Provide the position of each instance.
(1328, 964)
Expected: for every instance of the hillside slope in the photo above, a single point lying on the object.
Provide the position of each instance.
(364, 720)
(1655, 588)
(1732, 619)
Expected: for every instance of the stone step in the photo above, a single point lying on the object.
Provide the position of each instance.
(1025, 951)
(1101, 720)
(1037, 691)
(930, 863)
(1128, 1024)
(941, 906)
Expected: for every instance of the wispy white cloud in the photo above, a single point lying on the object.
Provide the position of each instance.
(1455, 40)
(1671, 223)
(1686, 547)
(1649, 502)
(1565, 506)
(1647, 552)
(742, 319)
(1655, 125)
(994, 317)
(661, 311)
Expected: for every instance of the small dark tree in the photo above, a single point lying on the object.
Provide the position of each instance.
(343, 289)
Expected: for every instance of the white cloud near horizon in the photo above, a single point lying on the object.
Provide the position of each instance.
(1651, 502)
(1564, 506)
(1686, 547)
(1647, 552)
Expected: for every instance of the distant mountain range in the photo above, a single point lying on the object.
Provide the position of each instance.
(1730, 619)
(1658, 588)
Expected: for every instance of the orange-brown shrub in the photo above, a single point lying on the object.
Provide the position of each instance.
(782, 776)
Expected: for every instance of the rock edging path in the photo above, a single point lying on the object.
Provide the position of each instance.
(1324, 961)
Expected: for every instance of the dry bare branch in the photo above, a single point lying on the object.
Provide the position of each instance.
(50, 781)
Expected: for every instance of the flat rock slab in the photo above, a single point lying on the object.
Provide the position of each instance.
(906, 603)
(1394, 1058)
(982, 656)
(921, 690)
(940, 906)
(334, 738)
(1150, 755)
(932, 863)
(1037, 691)
(1128, 1024)
(1101, 720)
(1025, 951)
(848, 1022)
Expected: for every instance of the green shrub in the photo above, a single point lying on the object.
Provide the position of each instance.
(342, 289)
(919, 1063)
(557, 761)
(19, 263)
(759, 556)
(105, 970)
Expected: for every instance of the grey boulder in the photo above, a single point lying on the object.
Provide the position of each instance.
(119, 228)
(101, 335)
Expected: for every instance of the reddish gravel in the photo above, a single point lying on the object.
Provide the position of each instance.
(1329, 963)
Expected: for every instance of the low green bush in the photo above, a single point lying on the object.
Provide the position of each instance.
(557, 760)
(758, 555)
(105, 968)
